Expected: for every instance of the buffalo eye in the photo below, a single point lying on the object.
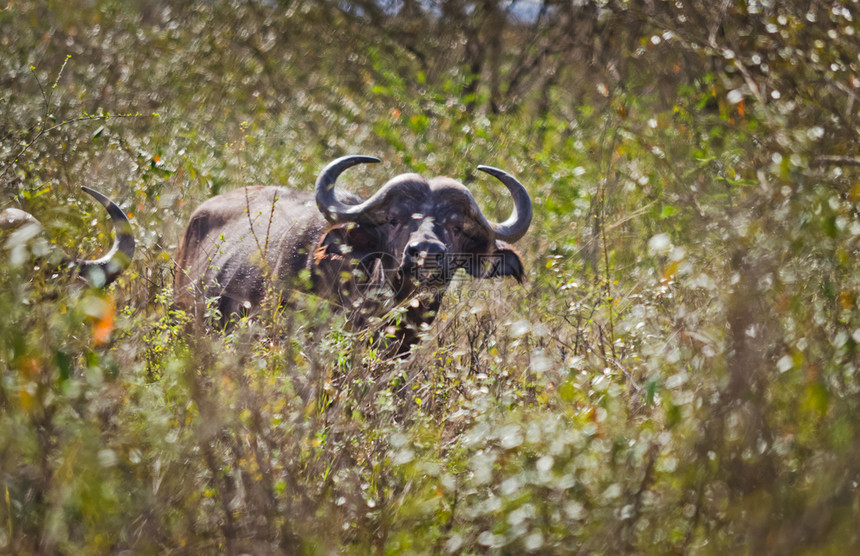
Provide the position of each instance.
(457, 229)
(393, 222)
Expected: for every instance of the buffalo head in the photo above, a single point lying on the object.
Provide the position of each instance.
(412, 235)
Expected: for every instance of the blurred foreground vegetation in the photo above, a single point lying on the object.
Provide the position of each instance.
(678, 374)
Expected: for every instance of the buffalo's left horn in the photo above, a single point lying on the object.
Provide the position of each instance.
(518, 223)
(119, 257)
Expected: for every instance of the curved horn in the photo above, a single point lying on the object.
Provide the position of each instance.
(13, 218)
(518, 223)
(120, 254)
(333, 209)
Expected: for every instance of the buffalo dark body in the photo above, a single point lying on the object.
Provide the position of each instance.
(400, 246)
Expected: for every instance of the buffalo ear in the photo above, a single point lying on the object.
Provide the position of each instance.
(501, 260)
(340, 249)
(347, 241)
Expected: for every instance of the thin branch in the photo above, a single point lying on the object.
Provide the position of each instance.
(602, 217)
(84, 118)
(835, 160)
(41, 89)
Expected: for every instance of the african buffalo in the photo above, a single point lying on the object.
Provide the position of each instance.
(405, 242)
(99, 272)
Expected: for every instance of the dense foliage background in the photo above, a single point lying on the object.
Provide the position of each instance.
(679, 373)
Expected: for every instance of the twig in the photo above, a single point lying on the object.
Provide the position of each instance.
(84, 118)
(604, 242)
(41, 89)
(835, 160)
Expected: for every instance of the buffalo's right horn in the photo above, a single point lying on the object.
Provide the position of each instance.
(332, 208)
(13, 218)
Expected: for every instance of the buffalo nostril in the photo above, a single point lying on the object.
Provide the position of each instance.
(426, 249)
